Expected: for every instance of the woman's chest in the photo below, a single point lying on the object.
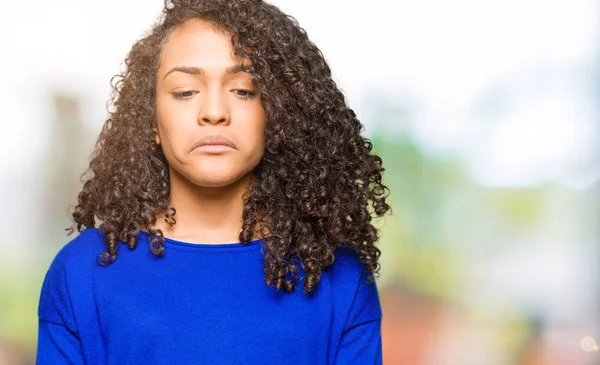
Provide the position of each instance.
(208, 315)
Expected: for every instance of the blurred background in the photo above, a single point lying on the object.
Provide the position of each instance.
(486, 114)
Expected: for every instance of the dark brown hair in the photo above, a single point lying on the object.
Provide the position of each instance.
(317, 187)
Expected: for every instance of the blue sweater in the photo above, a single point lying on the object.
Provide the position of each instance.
(201, 304)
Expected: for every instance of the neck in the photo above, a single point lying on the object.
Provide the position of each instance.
(205, 214)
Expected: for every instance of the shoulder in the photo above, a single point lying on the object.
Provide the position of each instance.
(84, 247)
(88, 242)
(347, 264)
(70, 269)
(357, 285)
(349, 274)
(77, 256)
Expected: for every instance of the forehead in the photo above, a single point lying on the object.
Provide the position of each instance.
(198, 43)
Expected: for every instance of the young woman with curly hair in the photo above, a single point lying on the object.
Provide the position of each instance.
(229, 172)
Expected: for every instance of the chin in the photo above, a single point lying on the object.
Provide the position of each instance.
(213, 183)
(211, 176)
(215, 179)
(212, 180)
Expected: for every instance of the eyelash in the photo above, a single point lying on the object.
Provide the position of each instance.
(185, 95)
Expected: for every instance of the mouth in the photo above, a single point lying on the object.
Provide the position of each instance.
(213, 148)
(213, 143)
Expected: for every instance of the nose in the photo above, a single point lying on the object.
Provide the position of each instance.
(214, 108)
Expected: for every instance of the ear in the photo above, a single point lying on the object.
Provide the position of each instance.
(156, 136)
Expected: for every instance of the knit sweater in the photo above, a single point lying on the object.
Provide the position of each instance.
(201, 304)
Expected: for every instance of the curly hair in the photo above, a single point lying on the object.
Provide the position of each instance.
(317, 186)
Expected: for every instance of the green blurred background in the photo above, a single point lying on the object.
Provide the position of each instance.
(486, 115)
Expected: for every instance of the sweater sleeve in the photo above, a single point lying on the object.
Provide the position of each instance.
(58, 339)
(57, 345)
(361, 339)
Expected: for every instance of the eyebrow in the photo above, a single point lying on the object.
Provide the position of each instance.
(200, 71)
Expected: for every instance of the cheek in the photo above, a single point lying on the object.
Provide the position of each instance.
(161, 121)
(171, 142)
(257, 134)
(171, 122)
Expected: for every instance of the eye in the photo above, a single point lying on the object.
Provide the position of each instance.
(245, 94)
(183, 95)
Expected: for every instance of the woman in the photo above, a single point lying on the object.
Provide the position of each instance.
(229, 172)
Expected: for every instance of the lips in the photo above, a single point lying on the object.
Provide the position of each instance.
(213, 140)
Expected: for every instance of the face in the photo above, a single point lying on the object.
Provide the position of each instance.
(203, 93)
